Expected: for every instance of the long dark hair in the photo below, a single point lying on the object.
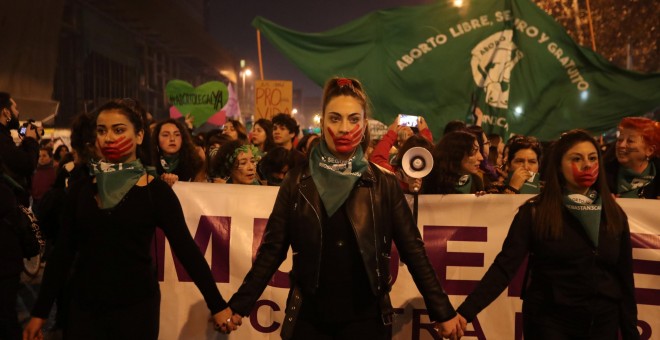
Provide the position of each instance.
(267, 125)
(241, 132)
(190, 163)
(448, 155)
(548, 219)
(137, 115)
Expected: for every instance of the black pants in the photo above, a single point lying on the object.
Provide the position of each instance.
(139, 321)
(597, 322)
(372, 329)
(9, 327)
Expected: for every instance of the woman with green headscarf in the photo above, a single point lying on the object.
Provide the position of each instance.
(522, 166)
(104, 249)
(340, 214)
(579, 282)
(633, 174)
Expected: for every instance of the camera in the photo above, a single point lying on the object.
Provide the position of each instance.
(29, 124)
(408, 120)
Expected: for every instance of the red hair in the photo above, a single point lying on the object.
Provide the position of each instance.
(649, 129)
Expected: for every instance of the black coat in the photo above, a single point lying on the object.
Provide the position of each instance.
(19, 161)
(565, 272)
(378, 213)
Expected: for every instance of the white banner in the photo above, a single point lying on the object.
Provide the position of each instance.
(462, 233)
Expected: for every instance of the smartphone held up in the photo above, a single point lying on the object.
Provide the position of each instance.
(408, 120)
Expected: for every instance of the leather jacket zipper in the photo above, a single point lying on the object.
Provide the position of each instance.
(318, 265)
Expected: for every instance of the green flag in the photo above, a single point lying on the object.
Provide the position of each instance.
(525, 73)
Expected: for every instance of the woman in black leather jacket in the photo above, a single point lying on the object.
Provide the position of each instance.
(340, 215)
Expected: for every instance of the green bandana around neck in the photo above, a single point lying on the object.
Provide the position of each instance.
(335, 178)
(587, 209)
(629, 182)
(114, 180)
(169, 163)
(464, 184)
(533, 187)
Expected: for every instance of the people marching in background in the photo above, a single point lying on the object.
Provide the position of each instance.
(261, 135)
(456, 164)
(285, 130)
(522, 167)
(633, 173)
(175, 155)
(235, 130)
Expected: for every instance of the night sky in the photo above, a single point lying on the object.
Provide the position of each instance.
(231, 25)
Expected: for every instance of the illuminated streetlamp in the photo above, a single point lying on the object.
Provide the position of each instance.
(294, 111)
(317, 119)
(245, 73)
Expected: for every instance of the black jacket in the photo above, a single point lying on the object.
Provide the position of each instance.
(565, 272)
(651, 191)
(19, 161)
(379, 215)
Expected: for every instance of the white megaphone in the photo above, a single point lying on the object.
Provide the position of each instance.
(417, 162)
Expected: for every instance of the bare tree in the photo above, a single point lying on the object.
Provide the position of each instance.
(626, 31)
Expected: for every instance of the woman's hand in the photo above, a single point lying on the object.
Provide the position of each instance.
(395, 124)
(519, 177)
(33, 330)
(170, 179)
(421, 124)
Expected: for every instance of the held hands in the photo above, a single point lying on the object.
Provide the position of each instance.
(170, 179)
(33, 330)
(226, 321)
(452, 329)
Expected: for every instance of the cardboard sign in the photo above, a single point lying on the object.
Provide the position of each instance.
(272, 97)
(202, 102)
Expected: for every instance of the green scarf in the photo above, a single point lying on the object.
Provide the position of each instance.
(464, 184)
(587, 209)
(335, 178)
(629, 181)
(169, 163)
(533, 187)
(114, 180)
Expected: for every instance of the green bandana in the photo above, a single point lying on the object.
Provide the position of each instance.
(587, 209)
(169, 163)
(533, 187)
(464, 184)
(629, 181)
(114, 180)
(245, 148)
(335, 178)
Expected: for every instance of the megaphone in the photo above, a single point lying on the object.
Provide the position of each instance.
(417, 162)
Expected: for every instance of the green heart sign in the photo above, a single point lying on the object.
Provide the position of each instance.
(201, 102)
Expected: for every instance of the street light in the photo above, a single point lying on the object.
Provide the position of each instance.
(245, 73)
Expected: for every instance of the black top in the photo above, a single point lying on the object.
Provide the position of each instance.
(112, 249)
(344, 294)
(565, 272)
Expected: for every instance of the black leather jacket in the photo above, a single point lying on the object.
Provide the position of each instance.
(379, 215)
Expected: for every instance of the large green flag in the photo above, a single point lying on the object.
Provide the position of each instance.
(525, 73)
